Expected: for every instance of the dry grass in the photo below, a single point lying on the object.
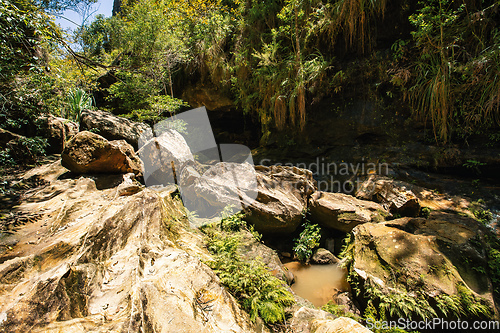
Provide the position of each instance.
(432, 98)
(352, 18)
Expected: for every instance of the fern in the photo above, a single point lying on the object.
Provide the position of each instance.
(258, 291)
(307, 241)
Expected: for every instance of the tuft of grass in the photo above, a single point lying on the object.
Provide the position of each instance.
(78, 100)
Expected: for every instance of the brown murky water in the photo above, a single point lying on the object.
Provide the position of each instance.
(317, 283)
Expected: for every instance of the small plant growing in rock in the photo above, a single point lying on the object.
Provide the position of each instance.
(339, 310)
(480, 213)
(78, 100)
(231, 221)
(425, 212)
(308, 240)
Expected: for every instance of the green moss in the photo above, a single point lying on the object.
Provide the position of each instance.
(494, 267)
(404, 297)
(175, 218)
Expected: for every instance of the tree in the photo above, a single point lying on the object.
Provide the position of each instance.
(61, 5)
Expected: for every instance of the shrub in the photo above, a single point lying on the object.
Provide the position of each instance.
(308, 240)
(24, 150)
(425, 212)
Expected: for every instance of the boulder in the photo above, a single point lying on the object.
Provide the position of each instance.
(343, 212)
(396, 196)
(88, 152)
(273, 198)
(164, 158)
(303, 317)
(113, 127)
(339, 325)
(324, 257)
(345, 300)
(282, 195)
(221, 185)
(432, 266)
(97, 262)
(57, 131)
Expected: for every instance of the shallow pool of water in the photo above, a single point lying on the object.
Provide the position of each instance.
(317, 283)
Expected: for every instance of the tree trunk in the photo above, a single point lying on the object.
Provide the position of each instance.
(117, 7)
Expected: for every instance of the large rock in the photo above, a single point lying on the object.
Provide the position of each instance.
(339, 325)
(221, 185)
(94, 261)
(343, 212)
(396, 196)
(418, 267)
(273, 198)
(112, 127)
(324, 257)
(282, 195)
(57, 131)
(164, 158)
(303, 317)
(91, 153)
(307, 320)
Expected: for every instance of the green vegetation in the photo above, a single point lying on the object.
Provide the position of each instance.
(406, 299)
(78, 100)
(425, 212)
(339, 311)
(258, 291)
(308, 240)
(274, 59)
(483, 215)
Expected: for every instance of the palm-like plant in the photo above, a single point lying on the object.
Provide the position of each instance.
(78, 100)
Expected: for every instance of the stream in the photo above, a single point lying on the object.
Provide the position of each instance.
(317, 283)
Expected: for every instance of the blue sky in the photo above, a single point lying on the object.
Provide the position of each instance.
(104, 7)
